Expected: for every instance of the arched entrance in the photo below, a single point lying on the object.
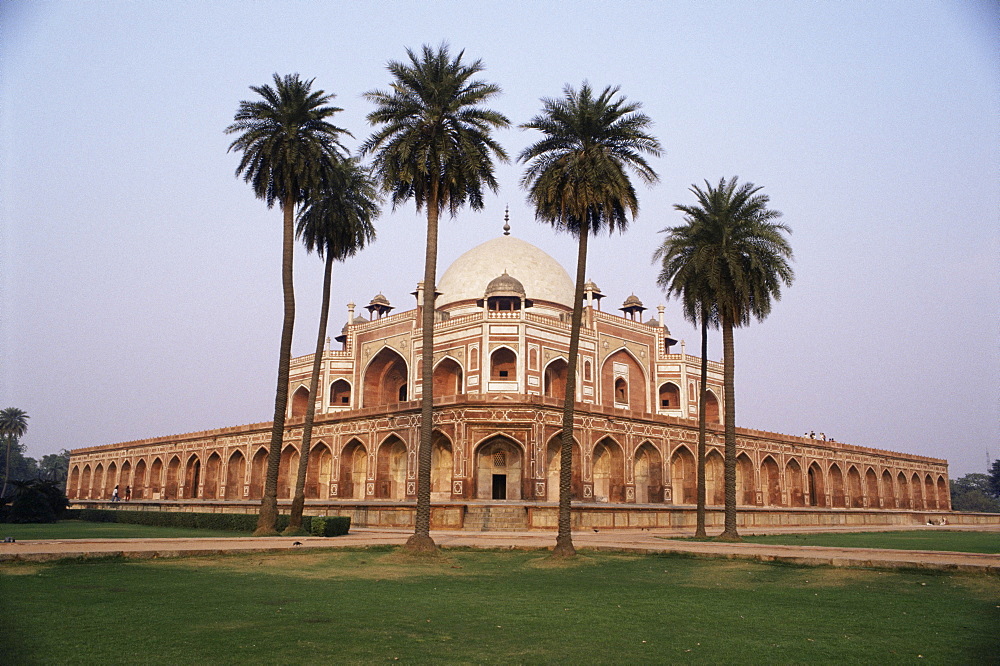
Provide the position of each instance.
(125, 477)
(111, 480)
(353, 470)
(139, 480)
(903, 491)
(213, 474)
(817, 490)
(385, 379)
(623, 382)
(608, 471)
(503, 365)
(837, 486)
(340, 395)
(288, 470)
(770, 480)
(555, 379)
(553, 465)
(871, 485)
(258, 472)
(85, 482)
(235, 475)
(173, 474)
(670, 396)
(744, 481)
(390, 469)
(73, 487)
(300, 402)
(683, 476)
(855, 487)
(98, 491)
(793, 483)
(155, 478)
(715, 481)
(498, 469)
(648, 474)
(917, 490)
(712, 408)
(943, 500)
(447, 378)
(889, 498)
(319, 472)
(192, 477)
(929, 495)
(442, 466)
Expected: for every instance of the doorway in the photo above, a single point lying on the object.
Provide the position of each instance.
(499, 486)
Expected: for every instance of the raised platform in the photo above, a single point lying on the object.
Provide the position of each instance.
(518, 516)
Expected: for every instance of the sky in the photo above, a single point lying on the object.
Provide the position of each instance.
(140, 279)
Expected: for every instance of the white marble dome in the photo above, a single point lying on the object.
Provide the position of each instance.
(542, 276)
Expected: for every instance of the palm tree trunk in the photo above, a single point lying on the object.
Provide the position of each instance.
(564, 538)
(702, 398)
(729, 533)
(6, 467)
(299, 499)
(421, 540)
(267, 522)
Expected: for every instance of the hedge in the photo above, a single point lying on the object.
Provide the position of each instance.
(236, 522)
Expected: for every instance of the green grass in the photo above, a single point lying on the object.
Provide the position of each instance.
(936, 539)
(378, 605)
(77, 529)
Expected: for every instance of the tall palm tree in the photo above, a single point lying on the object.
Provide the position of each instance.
(13, 425)
(577, 180)
(288, 149)
(684, 274)
(337, 223)
(433, 145)
(746, 256)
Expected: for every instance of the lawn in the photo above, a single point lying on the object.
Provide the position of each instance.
(376, 605)
(935, 539)
(78, 529)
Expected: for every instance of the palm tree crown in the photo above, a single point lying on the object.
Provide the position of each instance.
(434, 143)
(13, 422)
(578, 172)
(286, 140)
(338, 222)
(731, 238)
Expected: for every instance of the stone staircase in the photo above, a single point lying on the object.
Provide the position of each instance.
(495, 518)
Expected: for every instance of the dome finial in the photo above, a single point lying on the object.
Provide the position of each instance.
(506, 221)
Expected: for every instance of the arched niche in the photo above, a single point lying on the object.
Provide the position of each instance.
(554, 379)
(503, 365)
(608, 464)
(353, 470)
(390, 469)
(648, 474)
(499, 465)
(684, 476)
(623, 382)
(553, 467)
(669, 396)
(340, 394)
(385, 380)
(448, 378)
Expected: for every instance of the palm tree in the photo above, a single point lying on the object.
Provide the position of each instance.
(288, 150)
(684, 275)
(337, 223)
(745, 256)
(577, 181)
(433, 145)
(13, 425)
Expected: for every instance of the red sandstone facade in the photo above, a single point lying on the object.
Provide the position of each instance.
(501, 343)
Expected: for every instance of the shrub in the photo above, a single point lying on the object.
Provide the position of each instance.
(234, 522)
(330, 526)
(36, 502)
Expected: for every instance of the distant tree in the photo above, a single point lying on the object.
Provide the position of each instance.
(36, 501)
(972, 493)
(288, 149)
(55, 467)
(433, 145)
(336, 223)
(745, 254)
(994, 482)
(13, 425)
(578, 181)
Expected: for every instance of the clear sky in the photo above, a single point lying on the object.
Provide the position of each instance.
(140, 280)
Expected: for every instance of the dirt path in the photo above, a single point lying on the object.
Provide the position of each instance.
(631, 541)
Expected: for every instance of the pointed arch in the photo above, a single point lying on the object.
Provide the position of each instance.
(503, 364)
(340, 394)
(793, 483)
(110, 479)
(98, 487)
(125, 476)
(390, 469)
(715, 485)
(319, 472)
(353, 470)
(213, 476)
(85, 481)
(442, 467)
(236, 469)
(139, 480)
(930, 494)
(192, 476)
(554, 380)
(770, 481)
(917, 490)
(745, 490)
(712, 410)
(385, 379)
(943, 497)
(258, 471)
(670, 396)
(74, 483)
(173, 473)
(553, 466)
(855, 487)
(837, 486)
(902, 491)
(288, 469)
(684, 476)
(647, 474)
(623, 382)
(299, 402)
(448, 378)
(608, 464)
(871, 487)
(817, 486)
(499, 463)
